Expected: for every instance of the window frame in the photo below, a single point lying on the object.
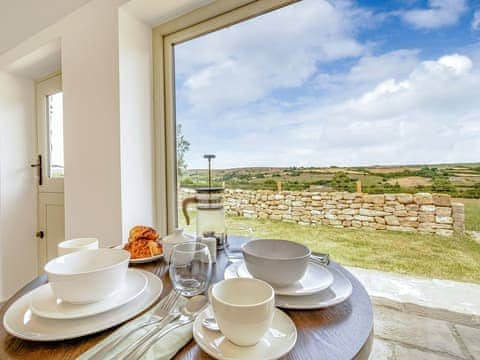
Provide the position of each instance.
(215, 16)
(45, 87)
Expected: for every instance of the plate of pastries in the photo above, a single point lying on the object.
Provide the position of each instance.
(143, 244)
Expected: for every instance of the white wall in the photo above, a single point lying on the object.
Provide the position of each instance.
(91, 123)
(18, 260)
(136, 122)
(89, 52)
(108, 134)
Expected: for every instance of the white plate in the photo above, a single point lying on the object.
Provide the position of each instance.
(142, 260)
(19, 320)
(146, 260)
(316, 278)
(277, 342)
(44, 303)
(339, 291)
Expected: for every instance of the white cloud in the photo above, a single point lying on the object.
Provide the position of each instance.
(253, 94)
(368, 71)
(476, 20)
(244, 63)
(430, 115)
(439, 13)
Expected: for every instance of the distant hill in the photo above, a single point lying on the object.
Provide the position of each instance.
(459, 180)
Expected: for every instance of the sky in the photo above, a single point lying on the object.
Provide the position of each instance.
(344, 83)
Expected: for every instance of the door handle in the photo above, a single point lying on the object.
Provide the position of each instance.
(40, 169)
(40, 234)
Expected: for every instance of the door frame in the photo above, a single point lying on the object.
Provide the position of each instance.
(51, 192)
(212, 17)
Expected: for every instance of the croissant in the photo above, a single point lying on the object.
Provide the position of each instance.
(141, 231)
(142, 242)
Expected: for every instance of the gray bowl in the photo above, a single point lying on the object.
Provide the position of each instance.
(278, 262)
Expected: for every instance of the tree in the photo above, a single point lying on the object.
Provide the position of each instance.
(183, 146)
(341, 181)
(443, 185)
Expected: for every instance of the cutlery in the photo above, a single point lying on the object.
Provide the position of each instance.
(189, 312)
(210, 324)
(320, 258)
(155, 318)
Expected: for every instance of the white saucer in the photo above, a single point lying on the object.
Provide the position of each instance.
(277, 342)
(44, 303)
(339, 291)
(316, 278)
(19, 320)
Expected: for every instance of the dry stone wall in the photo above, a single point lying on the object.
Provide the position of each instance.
(421, 212)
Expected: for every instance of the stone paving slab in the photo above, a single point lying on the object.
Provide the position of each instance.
(442, 295)
(406, 353)
(471, 338)
(416, 331)
(384, 350)
(381, 350)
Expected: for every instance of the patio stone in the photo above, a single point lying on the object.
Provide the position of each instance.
(415, 330)
(381, 350)
(441, 295)
(406, 353)
(471, 338)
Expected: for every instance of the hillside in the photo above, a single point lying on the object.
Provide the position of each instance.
(459, 180)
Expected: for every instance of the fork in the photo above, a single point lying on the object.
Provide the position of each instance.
(167, 319)
(319, 258)
(156, 336)
(154, 318)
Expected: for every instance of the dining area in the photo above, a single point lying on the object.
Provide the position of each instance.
(245, 299)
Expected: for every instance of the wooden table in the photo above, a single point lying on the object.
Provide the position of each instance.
(344, 331)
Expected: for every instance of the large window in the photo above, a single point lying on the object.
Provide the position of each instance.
(320, 97)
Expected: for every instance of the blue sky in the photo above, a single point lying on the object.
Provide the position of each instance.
(344, 83)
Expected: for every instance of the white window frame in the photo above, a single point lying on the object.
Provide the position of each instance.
(45, 87)
(210, 18)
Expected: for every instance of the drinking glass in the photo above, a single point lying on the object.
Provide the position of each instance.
(190, 268)
(233, 249)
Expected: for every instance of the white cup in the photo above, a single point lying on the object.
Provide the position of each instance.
(70, 246)
(243, 308)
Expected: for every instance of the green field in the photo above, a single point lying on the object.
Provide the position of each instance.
(455, 258)
(472, 213)
(457, 180)
(432, 256)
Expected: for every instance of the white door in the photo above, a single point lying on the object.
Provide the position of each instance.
(49, 168)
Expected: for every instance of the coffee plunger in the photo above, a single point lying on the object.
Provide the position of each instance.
(210, 210)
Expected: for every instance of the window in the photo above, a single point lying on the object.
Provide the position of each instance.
(55, 135)
(319, 97)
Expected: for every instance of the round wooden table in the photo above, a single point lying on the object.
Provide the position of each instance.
(344, 331)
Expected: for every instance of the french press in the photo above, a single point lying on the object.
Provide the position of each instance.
(210, 211)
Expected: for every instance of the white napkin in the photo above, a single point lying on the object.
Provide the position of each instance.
(164, 349)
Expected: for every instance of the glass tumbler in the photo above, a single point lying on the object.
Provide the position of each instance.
(233, 249)
(190, 268)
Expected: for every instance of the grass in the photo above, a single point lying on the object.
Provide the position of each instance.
(472, 213)
(431, 256)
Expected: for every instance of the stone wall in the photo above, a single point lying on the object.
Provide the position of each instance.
(421, 212)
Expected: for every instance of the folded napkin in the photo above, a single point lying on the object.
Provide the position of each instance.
(164, 349)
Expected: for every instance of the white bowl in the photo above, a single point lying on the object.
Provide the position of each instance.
(278, 262)
(69, 246)
(88, 275)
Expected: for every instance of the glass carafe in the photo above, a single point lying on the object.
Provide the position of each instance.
(210, 213)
